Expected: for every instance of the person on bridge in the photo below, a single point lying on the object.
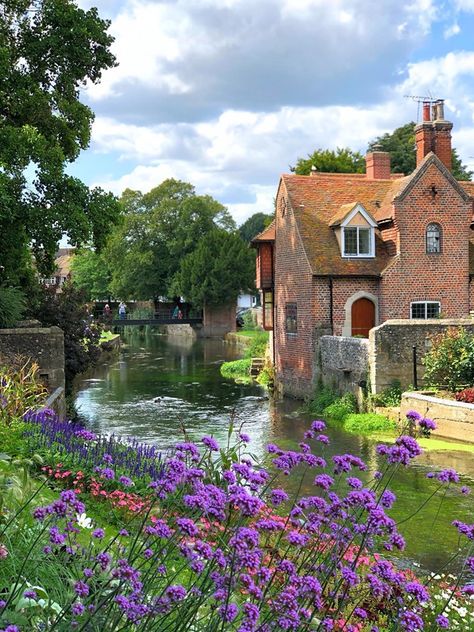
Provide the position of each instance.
(122, 310)
(107, 311)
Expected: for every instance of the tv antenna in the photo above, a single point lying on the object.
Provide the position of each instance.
(428, 102)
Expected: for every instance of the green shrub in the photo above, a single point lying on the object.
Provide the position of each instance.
(342, 407)
(258, 346)
(237, 369)
(323, 397)
(368, 422)
(266, 376)
(391, 396)
(249, 321)
(12, 306)
(450, 361)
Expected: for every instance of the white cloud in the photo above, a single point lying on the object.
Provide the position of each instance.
(452, 30)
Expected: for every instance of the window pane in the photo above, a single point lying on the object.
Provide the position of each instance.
(268, 310)
(433, 238)
(350, 241)
(418, 310)
(432, 310)
(364, 241)
(291, 318)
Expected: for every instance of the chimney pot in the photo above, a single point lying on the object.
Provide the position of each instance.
(426, 111)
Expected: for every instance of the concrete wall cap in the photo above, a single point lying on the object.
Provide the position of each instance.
(438, 400)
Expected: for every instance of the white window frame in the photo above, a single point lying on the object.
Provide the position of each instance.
(425, 303)
(358, 208)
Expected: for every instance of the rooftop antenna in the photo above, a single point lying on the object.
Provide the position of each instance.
(422, 100)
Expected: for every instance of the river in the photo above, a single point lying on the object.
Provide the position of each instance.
(160, 385)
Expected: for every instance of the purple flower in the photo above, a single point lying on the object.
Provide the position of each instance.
(427, 424)
(448, 476)
(354, 482)
(324, 481)
(442, 621)
(11, 628)
(3, 603)
(410, 621)
(318, 425)
(322, 438)
(98, 533)
(465, 490)
(77, 608)
(465, 529)
(210, 443)
(30, 594)
(176, 592)
(278, 496)
(228, 612)
(308, 434)
(244, 437)
(127, 482)
(187, 526)
(107, 458)
(412, 415)
(81, 589)
(418, 591)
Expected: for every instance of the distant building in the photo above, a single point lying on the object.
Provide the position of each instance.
(62, 271)
(347, 252)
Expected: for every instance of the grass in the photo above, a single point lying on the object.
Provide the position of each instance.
(237, 370)
(365, 423)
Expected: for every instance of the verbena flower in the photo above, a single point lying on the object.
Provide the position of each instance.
(210, 443)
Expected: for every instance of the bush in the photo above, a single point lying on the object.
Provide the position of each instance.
(450, 362)
(323, 397)
(467, 395)
(12, 306)
(342, 407)
(367, 423)
(258, 346)
(391, 396)
(237, 369)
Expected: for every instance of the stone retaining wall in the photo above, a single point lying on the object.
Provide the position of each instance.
(454, 420)
(344, 363)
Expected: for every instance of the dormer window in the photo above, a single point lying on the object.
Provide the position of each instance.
(357, 241)
(358, 233)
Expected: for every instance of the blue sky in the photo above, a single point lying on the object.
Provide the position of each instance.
(226, 94)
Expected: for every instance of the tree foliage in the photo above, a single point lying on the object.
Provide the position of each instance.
(90, 273)
(450, 361)
(158, 230)
(254, 225)
(67, 310)
(343, 160)
(402, 148)
(48, 50)
(217, 271)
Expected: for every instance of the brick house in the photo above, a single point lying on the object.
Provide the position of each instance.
(347, 252)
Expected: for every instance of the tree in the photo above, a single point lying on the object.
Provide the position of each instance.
(48, 50)
(343, 160)
(67, 310)
(90, 273)
(402, 148)
(158, 230)
(254, 225)
(217, 271)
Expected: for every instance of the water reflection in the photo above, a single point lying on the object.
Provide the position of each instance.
(159, 385)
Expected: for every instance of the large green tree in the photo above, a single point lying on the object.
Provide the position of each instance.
(90, 273)
(402, 148)
(158, 230)
(217, 271)
(254, 225)
(343, 160)
(49, 49)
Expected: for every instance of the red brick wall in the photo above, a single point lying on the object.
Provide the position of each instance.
(264, 265)
(390, 236)
(343, 289)
(418, 276)
(294, 353)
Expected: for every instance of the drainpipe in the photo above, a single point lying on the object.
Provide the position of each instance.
(331, 307)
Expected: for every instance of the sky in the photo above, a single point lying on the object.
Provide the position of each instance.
(228, 94)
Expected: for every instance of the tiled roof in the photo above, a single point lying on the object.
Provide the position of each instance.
(268, 234)
(317, 199)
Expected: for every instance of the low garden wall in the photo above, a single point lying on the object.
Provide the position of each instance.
(391, 349)
(454, 420)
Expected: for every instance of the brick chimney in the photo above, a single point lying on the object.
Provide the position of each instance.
(377, 164)
(434, 134)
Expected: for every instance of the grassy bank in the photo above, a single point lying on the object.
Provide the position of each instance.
(256, 342)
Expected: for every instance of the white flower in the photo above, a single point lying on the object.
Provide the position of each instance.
(83, 521)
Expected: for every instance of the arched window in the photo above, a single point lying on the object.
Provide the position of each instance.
(433, 238)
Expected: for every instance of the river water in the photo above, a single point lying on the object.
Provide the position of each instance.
(159, 385)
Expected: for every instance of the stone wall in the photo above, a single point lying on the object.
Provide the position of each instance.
(344, 363)
(391, 349)
(44, 345)
(454, 420)
(217, 321)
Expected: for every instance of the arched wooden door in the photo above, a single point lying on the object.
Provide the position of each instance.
(362, 317)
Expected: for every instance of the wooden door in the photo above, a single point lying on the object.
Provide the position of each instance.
(363, 317)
